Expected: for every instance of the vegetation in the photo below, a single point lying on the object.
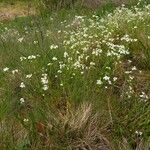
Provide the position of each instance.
(76, 80)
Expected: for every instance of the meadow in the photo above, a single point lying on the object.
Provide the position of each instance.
(76, 79)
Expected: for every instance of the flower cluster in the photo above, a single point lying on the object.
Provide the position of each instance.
(44, 81)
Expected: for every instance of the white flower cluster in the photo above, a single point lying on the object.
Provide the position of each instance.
(127, 38)
(44, 81)
(144, 97)
(53, 46)
(5, 69)
(106, 80)
(30, 57)
(22, 85)
(22, 101)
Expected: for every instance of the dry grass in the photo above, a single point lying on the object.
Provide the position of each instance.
(77, 130)
(19, 9)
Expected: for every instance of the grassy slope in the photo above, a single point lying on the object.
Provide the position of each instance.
(75, 112)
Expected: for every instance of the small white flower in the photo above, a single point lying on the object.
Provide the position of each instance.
(138, 133)
(28, 76)
(65, 55)
(109, 82)
(22, 100)
(115, 78)
(61, 84)
(53, 46)
(45, 87)
(31, 57)
(128, 72)
(20, 39)
(51, 18)
(5, 69)
(35, 42)
(99, 82)
(25, 120)
(92, 64)
(129, 61)
(106, 78)
(134, 68)
(54, 58)
(44, 81)
(14, 71)
(22, 58)
(59, 71)
(22, 85)
(49, 64)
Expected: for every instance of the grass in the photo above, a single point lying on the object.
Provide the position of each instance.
(76, 79)
(16, 9)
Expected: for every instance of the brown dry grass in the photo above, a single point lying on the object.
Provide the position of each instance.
(19, 9)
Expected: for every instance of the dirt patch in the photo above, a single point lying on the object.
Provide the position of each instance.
(11, 11)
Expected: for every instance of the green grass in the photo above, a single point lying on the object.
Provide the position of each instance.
(87, 79)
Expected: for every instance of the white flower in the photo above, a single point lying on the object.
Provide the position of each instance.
(92, 64)
(20, 39)
(44, 81)
(54, 58)
(35, 42)
(22, 58)
(49, 64)
(61, 84)
(22, 100)
(25, 120)
(134, 68)
(106, 78)
(31, 57)
(99, 82)
(59, 71)
(5, 69)
(65, 55)
(109, 82)
(128, 72)
(45, 87)
(14, 71)
(144, 96)
(138, 133)
(22, 85)
(28, 76)
(115, 78)
(53, 46)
